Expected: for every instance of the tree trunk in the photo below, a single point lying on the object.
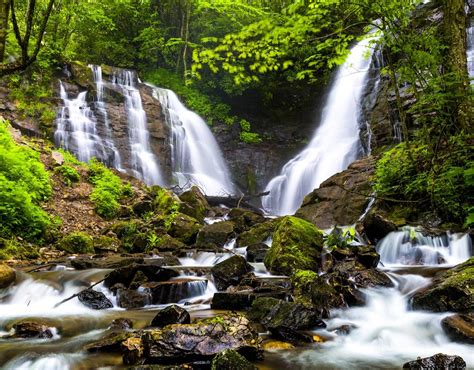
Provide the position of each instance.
(4, 13)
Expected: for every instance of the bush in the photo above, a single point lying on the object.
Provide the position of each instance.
(77, 242)
(69, 174)
(24, 183)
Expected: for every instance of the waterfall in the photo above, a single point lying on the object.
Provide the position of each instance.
(100, 104)
(76, 128)
(411, 247)
(144, 163)
(336, 142)
(470, 50)
(195, 155)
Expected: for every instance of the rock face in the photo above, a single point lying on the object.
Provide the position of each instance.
(171, 315)
(339, 199)
(202, 340)
(230, 272)
(451, 291)
(460, 327)
(7, 276)
(95, 300)
(297, 244)
(439, 361)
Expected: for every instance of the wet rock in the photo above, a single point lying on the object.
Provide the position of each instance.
(215, 234)
(289, 335)
(271, 345)
(230, 272)
(439, 361)
(125, 275)
(142, 207)
(95, 300)
(453, 290)
(344, 329)
(111, 342)
(109, 262)
(368, 256)
(376, 227)
(245, 219)
(231, 360)
(202, 340)
(184, 228)
(7, 276)
(171, 315)
(32, 329)
(194, 204)
(242, 299)
(121, 324)
(297, 244)
(459, 328)
(274, 313)
(128, 298)
(257, 252)
(257, 234)
(175, 290)
(132, 350)
(338, 200)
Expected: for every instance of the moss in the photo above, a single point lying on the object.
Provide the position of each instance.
(194, 204)
(257, 234)
(164, 202)
(106, 243)
(297, 245)
(184, 228)
(77, 242)
(231, 360)
(215, 234)
(13, 249)
(127, 231)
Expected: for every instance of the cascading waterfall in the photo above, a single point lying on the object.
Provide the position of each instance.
(99, 82)
(336, 142)
(470, 50)
(144, 163)
(195, 155)
(76, 128)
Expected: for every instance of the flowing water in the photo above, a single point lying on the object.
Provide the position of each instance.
(195, 155)
(336, 142)
(470, 50)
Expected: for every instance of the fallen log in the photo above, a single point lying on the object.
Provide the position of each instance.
(233, 201)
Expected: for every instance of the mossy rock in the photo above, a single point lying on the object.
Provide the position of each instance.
(184, 228)
(194, 204)
(166, 243)
(82, 74)
(245, 219)
(165, 202)
(215, 234)
(106, 243)
(297, 245)
(451, 291)
(257, 234)
(7, 276)
(231, 360)
(77, 242)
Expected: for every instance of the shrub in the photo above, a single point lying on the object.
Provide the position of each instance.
(69, 174)
(24, 183)
(77, 242)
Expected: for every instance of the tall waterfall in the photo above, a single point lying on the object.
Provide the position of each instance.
(144, 163)
(195, 155)
(76, 128)
(336, 142)
(470, 50)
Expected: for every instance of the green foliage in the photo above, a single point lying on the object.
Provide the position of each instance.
(69, 158)
(68, 174)
(12, 248)
(24, 184)
(77, 242)
(340, 237)
(108, 189)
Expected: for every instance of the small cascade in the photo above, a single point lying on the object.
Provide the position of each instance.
(144, 163)
(101, 108)
(411, 247)
(76, 128)
(470, 50)
(176, 290)
(203, 259)
(195, 155)
(336, 142)
(50, 362)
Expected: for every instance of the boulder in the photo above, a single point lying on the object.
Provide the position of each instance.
(202, 340)
(257, 234)
(111, 342)
(171, 315)
(109, 262)
(95, 300)
(439, 361)
(453, 291)
(77, 242)
(132, 350)
(244, 219)
(125, 275)
(274, 313)
(459, 327)
(121, 324)
(230, 359)
(7, 276)
(230, 272)
(184, 228)
(376, 227)
(257, 252)
(286, 334)
(167, 243)
(128, 298)
(142, 207)
(194, 204)
(106, 244)
(242, 299)
(215, 234)
(31, 329)
(297, 244)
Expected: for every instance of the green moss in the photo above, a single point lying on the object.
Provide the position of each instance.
(297, 245)
(127, 231)
(194, 204)
(77, 242)
(257, 234)
(164, 202)
(13, 249)
(184, 228)
(231, 360)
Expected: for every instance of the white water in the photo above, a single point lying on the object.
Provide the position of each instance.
(411, 247)
(144, 163)
(49, 362)
(195, 155)
(76, 127)
(470, 51)
(336, 142)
